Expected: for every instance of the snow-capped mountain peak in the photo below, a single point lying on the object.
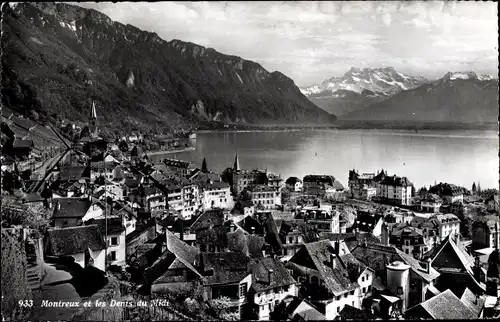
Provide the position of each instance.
(466, 75)
(381, 81)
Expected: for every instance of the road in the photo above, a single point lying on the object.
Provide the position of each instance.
(55, 287)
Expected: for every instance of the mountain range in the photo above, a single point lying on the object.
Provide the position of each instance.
(457, 97)
(383, 94)
(58, 58)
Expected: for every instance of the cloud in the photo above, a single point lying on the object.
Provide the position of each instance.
(312, 41)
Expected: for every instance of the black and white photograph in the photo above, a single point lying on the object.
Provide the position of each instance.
(250, 160)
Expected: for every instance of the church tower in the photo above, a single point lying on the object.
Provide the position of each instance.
(92, 122)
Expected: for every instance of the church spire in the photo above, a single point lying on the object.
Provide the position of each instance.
(92, 121)
(93, 115)
(204, 167)
(236, 166)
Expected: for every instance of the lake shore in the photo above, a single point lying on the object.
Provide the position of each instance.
(186, 149)
(347, 125)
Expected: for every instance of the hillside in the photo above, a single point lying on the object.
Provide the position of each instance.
(456, 98)
(58, 58)
(360, 88)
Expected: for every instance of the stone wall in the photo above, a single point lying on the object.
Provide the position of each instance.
(14, 282)
(109, 292)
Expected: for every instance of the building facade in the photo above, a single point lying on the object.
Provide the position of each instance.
(395, 190)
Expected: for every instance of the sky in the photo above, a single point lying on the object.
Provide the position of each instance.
(313, 41)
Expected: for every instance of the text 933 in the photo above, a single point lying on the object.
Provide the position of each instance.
(25, 303)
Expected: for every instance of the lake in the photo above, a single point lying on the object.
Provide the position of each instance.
(459, 157)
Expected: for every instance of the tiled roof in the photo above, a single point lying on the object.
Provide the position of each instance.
(72, 207)
(307, 312)
(228, 267)
(446, 189)
(445, 306)
(74, 240)
(445, 218)
(139, 230)
(22, 144)
(292, 180)
(320, 178)
(336, 279)
(33, 197)
(417, 268)
(216, 236)
(72, 172)
(177, 253)
(213, 185)
(475, 304)
(406, 230)
(250, 245)
(352, 313)
(462, 254)
(250, 222)
(396, 181)
(114, 225)
(268, 273)
(362, 238)
(432, 197)
(213, 217)
(100, 165)
(337, 185)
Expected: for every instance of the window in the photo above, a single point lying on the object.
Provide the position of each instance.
(113, 241)
(400, 290)
(352, 303)
(338, 309)
(345, 295)
(269, 307)
(243, 290)
(112, 255)
(285, 288)
(362, 278)
(364, 289)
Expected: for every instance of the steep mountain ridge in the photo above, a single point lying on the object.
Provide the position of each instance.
(359, 88)
(59, 57)
(457, 97)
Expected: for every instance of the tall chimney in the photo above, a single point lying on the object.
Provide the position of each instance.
(269, 273)
(332, 261)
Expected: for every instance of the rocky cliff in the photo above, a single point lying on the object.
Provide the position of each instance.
(58, 58)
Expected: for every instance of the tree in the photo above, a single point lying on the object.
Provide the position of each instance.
(488, 193)
(466, 227)
(413, 191)
(123, 146)
(479, 187)
(474, 188)
(221, 307)
(422, 191)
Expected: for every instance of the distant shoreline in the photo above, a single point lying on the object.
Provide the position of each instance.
(355, 126)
